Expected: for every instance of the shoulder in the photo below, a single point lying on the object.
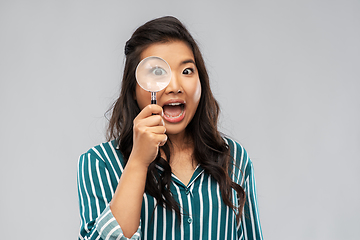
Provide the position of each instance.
(106, 154)
(237, 151)
(241, 161)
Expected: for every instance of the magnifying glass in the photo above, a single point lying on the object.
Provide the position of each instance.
(153, 74)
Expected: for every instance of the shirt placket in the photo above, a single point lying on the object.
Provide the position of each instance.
(187, 203)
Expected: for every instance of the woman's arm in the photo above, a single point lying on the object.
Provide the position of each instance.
(120, 218)
(95, 192)
(250, 218)
(127, 201)
(243, 174)
(149, 134)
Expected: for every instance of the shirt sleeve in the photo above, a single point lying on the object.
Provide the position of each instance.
(250, 228)
(95, 192)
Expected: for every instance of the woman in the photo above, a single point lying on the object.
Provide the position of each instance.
(166, 172)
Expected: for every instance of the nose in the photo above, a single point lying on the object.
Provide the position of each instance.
(174, 85)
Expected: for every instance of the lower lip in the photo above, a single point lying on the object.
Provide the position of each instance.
(175, 119)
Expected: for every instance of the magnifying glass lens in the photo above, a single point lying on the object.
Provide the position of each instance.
(153, 74)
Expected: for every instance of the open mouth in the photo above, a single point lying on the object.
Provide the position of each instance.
(174, 112)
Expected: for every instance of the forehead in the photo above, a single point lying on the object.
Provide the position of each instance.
(173, 52)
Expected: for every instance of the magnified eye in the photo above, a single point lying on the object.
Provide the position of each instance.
(158, 71)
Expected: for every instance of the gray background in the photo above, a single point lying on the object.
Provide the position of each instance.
(286, 74)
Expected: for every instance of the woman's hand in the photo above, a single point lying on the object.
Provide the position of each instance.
(148, 134)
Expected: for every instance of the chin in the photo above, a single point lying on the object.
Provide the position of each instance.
(174, 130)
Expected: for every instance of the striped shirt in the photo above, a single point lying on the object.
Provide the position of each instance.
(204, 214)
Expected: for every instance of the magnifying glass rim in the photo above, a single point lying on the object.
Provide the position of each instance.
(136, 71)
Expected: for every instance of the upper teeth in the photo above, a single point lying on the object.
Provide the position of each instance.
(174, 104)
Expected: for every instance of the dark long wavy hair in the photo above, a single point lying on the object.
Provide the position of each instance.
(210, 149)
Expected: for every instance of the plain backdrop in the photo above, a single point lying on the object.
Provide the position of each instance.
(286, 75)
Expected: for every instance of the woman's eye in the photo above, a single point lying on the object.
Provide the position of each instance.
(188, 71)
(158, 71)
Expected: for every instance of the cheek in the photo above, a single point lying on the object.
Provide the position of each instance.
(196, 92)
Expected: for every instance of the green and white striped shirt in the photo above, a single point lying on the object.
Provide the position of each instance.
(204, 214)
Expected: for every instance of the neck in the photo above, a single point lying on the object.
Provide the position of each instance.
(182, 149)
(180, 142)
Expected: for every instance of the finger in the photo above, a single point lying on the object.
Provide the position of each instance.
(155, 120)
(150, 110)
(162, 143)
(151, 121)
(158, 130)
(163, 140)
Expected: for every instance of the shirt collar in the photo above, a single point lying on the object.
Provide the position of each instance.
(198, 171)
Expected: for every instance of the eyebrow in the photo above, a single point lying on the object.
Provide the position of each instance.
(187, 61)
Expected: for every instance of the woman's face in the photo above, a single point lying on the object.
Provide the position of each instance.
(181, 97)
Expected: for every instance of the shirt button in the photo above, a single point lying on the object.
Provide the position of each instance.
(189, 220)
(187, 191)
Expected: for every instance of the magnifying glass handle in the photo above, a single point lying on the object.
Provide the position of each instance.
(153, 97)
